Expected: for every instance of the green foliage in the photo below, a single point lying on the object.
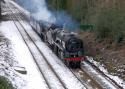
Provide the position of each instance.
(5, 84)
(76, 9)
(86, 27)
(110, 24)
(106, 17)
(58, 4)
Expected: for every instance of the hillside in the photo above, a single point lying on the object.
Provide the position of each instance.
(101, 28)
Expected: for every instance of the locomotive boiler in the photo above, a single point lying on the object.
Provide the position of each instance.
(66, 45)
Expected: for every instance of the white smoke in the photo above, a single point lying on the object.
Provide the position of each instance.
(38, 9)
(42, 12)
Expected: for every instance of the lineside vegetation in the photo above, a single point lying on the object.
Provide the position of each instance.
(104, 17)
(5, 84)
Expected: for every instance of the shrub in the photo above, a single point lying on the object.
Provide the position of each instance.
(5, 84)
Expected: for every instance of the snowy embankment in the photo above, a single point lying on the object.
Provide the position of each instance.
(33, 79)
(15, 56)
(7, 61)
(20, 57)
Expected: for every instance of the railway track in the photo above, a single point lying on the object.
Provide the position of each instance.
(84, 83)
(85, 78)
(37, 60)
(81, 74)
(95, 80)
(88, 86)
(58, 83)
(99, 75)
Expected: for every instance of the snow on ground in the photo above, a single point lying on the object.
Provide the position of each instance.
(7, 61)
(63, 72)
(20, 8)
(23, 58)
(50, 77)
(101, 67)
(33, 79)
(101, 80)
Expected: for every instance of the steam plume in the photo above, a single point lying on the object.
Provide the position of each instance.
(39, 10)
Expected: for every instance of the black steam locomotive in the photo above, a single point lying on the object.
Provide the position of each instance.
(66, 45)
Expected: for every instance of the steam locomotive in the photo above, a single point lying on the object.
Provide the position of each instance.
(66, 45)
